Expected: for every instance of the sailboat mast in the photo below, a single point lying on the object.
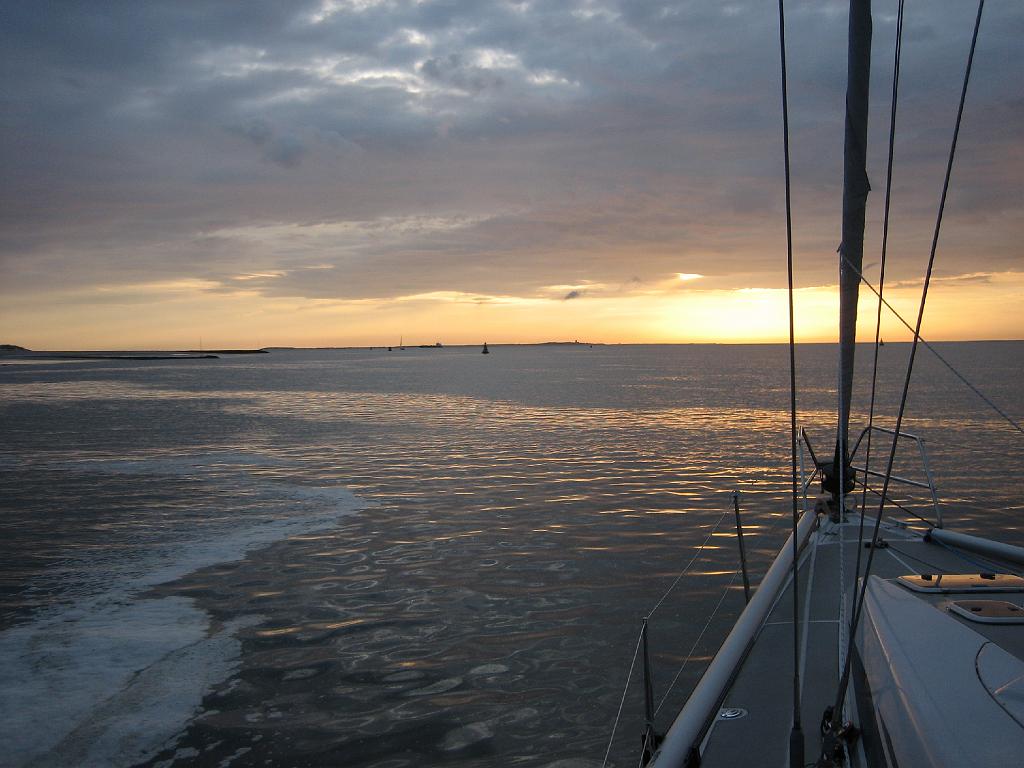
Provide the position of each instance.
(851, 250)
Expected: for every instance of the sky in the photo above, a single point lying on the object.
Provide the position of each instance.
(355, 172)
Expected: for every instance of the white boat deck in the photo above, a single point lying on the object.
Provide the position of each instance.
(764, 684)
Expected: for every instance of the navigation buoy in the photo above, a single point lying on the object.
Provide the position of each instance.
(485, 350)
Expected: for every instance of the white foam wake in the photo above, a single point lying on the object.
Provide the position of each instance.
(111, 680)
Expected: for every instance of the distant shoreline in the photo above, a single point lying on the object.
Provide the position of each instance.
(13, 351)
(107, 356)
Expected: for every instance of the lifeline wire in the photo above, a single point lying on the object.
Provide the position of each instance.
(632, 665)
(714, 612)
(707, 624)
(837, 711)
(622, 701)
(657, 605)
(687, 568)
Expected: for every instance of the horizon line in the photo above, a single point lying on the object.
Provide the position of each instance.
(229, 349)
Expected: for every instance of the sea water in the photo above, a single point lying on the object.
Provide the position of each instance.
(422, 556)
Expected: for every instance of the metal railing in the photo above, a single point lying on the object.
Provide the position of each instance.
(805, 481)
(929, 485)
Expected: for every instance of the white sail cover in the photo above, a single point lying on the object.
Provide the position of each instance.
(941, 690)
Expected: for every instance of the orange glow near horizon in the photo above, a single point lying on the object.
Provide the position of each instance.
(186, 314)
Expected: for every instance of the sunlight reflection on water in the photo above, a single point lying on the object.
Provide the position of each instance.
(525, 516)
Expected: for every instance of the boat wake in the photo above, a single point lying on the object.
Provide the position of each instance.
(112, 678)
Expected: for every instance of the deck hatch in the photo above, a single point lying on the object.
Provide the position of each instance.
(963, 582)
(988, 611)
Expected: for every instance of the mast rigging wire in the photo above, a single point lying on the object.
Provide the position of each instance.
(1009, 419)
(845, 680)
(796, 734)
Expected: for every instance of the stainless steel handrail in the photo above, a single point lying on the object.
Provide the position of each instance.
(919, 442)
(805, 481)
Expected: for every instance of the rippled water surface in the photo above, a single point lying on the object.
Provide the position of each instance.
(423, 557)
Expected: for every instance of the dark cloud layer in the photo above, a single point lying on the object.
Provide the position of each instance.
(403, 147)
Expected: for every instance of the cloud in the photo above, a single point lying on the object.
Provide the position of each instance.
(286, 151)
(256, 130)
(966, 278)
(451, 69)
(416, 148)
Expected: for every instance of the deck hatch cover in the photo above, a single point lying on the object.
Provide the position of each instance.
(963, 582)
(988, 611)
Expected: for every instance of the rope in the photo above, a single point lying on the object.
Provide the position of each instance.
(837, 710)
(792, 367)
(842, 584)
(622, 701)
(935, 352)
